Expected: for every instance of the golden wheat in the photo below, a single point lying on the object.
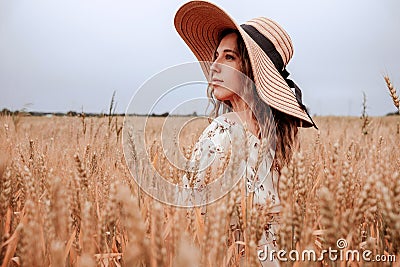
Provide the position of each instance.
(68, 197)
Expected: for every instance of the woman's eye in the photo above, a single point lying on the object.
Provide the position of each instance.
(229, 57)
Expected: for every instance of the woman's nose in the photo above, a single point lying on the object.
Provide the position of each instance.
(215, 66)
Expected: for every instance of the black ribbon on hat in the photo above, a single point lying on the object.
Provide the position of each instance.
(269, 48)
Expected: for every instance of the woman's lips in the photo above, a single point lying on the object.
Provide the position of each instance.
(216, 81)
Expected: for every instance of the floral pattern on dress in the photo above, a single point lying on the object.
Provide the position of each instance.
(212, 148)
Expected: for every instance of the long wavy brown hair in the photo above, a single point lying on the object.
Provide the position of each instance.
(270, 122)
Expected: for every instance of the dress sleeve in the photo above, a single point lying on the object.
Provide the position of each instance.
(209, 160)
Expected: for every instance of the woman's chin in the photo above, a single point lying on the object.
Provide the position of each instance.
(221, 94)
(219, 98)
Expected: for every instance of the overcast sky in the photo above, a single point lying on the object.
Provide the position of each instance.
(72, 55)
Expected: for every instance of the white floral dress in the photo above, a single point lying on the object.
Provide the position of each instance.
(216, 147)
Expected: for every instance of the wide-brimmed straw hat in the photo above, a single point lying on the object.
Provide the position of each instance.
(270, 48)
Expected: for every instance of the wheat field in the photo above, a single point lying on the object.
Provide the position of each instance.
(68, 198)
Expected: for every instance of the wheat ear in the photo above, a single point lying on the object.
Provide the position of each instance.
(393, 92)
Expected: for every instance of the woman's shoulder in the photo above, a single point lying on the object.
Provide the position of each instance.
(224, 126)
(235, 120)
(226, 123)
(231, 118)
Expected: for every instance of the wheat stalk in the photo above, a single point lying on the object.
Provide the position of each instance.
(393, 92)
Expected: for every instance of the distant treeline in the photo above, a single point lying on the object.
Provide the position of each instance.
(59, 114)
(79, 114)
(8, 112)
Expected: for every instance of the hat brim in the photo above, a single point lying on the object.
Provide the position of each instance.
(200, 23)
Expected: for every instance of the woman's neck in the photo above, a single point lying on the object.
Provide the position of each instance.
(238, 104)
(245, 114)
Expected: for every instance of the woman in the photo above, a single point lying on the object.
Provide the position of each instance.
(248, 79)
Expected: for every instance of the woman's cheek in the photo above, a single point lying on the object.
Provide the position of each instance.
(235, 83)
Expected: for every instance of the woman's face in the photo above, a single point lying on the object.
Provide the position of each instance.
(225, 70)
